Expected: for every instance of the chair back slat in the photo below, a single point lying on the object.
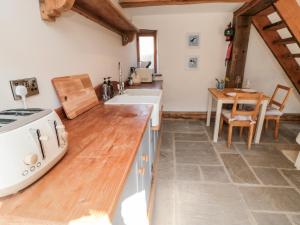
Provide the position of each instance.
(256, 97)
(281, 104)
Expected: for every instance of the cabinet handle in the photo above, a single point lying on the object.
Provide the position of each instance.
(145, 158)
(142, 171)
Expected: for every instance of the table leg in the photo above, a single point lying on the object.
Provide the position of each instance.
(217, 122)
(209, 108)
(260, 121)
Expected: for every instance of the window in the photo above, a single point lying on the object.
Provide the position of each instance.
(147, 48)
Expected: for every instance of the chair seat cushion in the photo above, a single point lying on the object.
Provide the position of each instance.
(227, 113)
(271, 111)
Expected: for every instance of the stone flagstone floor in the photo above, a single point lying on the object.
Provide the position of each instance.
(203, 183)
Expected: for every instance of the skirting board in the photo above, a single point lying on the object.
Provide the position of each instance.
(202, 116)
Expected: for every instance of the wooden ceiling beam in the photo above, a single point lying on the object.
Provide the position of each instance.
(253, 7)
(143, 3)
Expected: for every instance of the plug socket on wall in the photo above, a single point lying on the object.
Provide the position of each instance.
(30, 83)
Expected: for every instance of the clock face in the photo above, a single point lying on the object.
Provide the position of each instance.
(193, 40)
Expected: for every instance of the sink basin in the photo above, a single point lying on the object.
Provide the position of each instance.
(128, 99)
(143, 92)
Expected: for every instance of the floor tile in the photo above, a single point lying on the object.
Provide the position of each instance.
(164, 203)
(289, 134)
(185, 145)
(222, 148)
(293, 176)
(268, 137)
(191, 136)
(183, 126)
(291, 125)
(270, 198)
(265, 156)
(238, 169)
(201, 153)
(167, 141)
(208, 204)
(214, 174)
(223, 136)
(194, 188)
(287, 147)
(203, 157)
(187, 172)
(196, 126)
(166, 157)
(271, 219)
(270, 176)
(166, 171)
(296, 219)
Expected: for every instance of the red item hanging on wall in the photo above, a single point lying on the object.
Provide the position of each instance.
(229, 34)
(228, 53)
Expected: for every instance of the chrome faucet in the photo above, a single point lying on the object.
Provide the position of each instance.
(121, 86)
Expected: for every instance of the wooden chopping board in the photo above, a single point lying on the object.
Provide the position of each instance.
(76, 94)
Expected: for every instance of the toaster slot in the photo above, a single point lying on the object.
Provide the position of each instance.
(56, 132)
(38, 133)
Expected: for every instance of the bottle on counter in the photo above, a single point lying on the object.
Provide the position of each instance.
(110, 88)
(105, 96)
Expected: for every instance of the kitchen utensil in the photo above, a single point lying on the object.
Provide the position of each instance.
(32, 141)
(232, 94)
(76, 94)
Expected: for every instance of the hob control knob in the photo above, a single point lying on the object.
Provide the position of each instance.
(31, 159)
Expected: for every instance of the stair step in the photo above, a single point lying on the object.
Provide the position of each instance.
(290, 55)
(267, 11)
(279, 48)
(275, 26)
(296, 55)
(285, 41)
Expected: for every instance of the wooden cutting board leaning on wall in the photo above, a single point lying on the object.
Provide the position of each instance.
(76, 94)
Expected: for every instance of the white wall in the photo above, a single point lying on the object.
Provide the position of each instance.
(186, 90)
(264, 72)
(72, 45)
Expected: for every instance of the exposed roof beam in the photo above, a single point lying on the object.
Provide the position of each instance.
(253, 7)
(142, 3)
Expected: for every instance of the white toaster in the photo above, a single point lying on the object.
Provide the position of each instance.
(145, 74)
(31, 142)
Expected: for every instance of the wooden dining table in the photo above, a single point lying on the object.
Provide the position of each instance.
(221, 97)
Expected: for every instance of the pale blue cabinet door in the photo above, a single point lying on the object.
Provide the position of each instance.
(130, 190)
(152, 150)
(146, 161)
(138, 184)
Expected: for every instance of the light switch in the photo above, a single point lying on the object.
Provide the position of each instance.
(30, 83)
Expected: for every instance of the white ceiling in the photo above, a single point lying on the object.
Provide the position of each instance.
(181, 9)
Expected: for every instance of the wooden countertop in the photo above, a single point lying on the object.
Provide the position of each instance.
(89, 180)
(156, 84)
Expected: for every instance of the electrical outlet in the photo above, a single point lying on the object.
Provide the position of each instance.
(30, 83)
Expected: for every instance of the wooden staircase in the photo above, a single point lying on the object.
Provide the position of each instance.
(281, 35)
(289, 13)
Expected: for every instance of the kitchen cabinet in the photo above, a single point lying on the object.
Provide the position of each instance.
(134, 200)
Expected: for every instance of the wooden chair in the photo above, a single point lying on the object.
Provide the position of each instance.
(275, 108)
(241, 118)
